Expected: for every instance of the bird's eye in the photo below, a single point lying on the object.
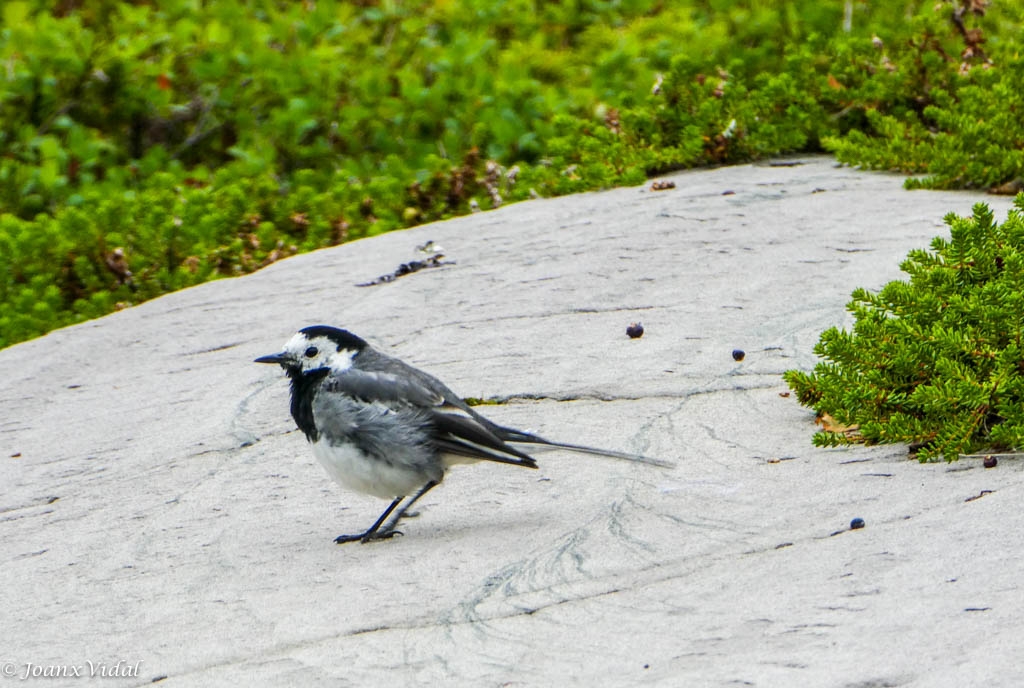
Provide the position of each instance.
(311, 352)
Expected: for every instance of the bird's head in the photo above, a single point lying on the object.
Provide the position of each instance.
(317, 348)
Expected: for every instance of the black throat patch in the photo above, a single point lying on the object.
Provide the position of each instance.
(304, 386)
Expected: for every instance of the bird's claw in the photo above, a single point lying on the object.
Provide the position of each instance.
(368, 537)
(381, 535)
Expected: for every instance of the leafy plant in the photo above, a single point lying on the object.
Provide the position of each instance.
(937, 360)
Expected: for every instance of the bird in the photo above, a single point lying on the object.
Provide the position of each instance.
(383, 427)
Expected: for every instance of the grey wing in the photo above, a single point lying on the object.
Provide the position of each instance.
(374, 361)
(384, 388)
(449, 430)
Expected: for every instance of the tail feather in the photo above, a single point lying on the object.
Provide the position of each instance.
(513, 435)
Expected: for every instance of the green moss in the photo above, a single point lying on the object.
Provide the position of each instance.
(477, 401)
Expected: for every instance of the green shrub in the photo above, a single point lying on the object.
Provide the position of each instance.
(209, 139)
(937, 360)
(946, 108)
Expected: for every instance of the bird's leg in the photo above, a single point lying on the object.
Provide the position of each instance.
(375, 532)
(390, 527)
(372, 533)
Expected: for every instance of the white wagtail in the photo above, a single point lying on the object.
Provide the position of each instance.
(382, 427)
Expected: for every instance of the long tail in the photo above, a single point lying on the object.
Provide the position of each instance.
(513, 435)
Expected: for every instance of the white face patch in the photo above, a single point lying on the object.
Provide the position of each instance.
(318, 352)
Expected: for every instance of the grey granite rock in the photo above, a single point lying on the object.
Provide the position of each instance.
(159, 508)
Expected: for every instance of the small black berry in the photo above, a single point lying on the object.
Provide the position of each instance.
(635, 330)
(857, 523)
(738, 354)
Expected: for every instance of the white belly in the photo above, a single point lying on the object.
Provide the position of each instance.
(348, 465)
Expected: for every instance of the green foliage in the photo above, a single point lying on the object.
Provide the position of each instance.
(947, 109)
(182, 141)
(936, 361)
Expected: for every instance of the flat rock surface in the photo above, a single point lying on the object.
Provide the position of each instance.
(160, 510)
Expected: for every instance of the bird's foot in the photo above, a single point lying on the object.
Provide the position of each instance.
(369, 536)
(381, 535)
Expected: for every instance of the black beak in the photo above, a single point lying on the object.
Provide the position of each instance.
(273, 358)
